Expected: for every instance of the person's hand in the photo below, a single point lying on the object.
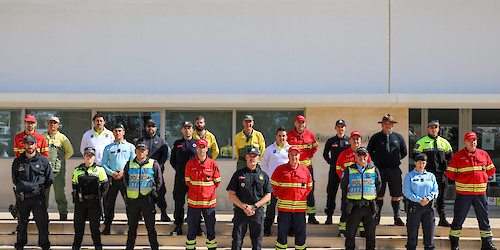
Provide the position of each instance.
(424, 201)
(248, 210)
(118, 175)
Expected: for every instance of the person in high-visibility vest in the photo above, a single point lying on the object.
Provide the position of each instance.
(360, 183)
(142, 177)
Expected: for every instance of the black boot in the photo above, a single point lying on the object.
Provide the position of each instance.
(397, 217)
(164, 216)
(312, 219)
(329, 220)
(398, 221)
(63, 217)
(267, 231)
(177, 231)
(454, 243)
(380, 203)
(487, 244)
(106, 230)
(443, 222)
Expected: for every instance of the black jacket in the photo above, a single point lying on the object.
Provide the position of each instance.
(158, 149)
(333, 147)
(182, 151)
(377, 147)
(32, 175)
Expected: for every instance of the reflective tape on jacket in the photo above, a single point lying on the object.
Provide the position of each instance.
(362, 185)
(140, 179)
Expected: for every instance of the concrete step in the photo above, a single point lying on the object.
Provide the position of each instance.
(225, 228)
(116, 241)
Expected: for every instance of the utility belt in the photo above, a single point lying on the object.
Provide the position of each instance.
(23, 196)
(411, 206)
(90, 196)
(351, 204)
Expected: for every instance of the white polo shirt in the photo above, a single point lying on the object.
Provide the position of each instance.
(274, 157)
(98, 141)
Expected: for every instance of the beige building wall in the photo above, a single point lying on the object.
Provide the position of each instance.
(320, 120)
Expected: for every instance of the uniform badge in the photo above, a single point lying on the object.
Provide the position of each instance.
(242, 184)
(37, 166)
(483, 167)
(21, 168)
(91, 136)
(415, 179)
(194, 145)
(368, 175)
(94, 170)
(274, 151)
(303, 185)
(422, 180)
(146, 170)
(208, 178)
(442, 144)
(107, 135)
(241, 177)
(261, 177)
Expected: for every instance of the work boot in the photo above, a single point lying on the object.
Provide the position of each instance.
(443, 222)
(487, 244)
(63, 217)
(398, 221)
(312, 219)
(267, 231)
(377, 218)
(329, 220)
(164, 217)
(177, 231)
(342, 233)
(454, 243)
(106, 230)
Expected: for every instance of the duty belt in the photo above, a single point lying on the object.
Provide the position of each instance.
(90, 196)
(22, 196)
(362, 203)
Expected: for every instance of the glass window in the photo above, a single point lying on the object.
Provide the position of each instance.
(267, 122)
(217, 122)
(10, 125)
(132, 121)
(414, 132)
(73, 124)
(486, 123)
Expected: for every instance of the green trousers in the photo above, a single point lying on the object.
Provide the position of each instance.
(59, 184)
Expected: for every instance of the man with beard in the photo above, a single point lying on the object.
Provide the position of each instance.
(202, 133)
(158, 150)
(29, 129)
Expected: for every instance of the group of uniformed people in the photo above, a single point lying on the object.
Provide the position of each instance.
(280, 175)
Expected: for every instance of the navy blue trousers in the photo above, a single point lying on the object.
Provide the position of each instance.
(297, 221)
(462, 205)
(420, 214)
(194, 220)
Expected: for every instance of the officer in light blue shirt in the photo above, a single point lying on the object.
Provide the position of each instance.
(420, 188)
(114, 157)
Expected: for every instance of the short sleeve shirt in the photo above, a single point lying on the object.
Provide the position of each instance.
(250, 185)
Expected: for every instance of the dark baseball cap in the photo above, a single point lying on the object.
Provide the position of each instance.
(253, 151)
(433, 123)
(29, 138)
(89, 150)
(119, 125)
(420, 157)
(150, 121)
(340, 122)
(187, 123)
(248, 118)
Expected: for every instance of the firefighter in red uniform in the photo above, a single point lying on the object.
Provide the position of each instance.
(202, 178)
(306, 142)
(346, 159)
(470, 168)
(29, 129)
(292, 183)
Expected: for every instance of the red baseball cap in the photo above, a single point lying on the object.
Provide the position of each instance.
(30, 118)
(356, 133)
(294, 148)
(300, 118)
(202, 142)
(470, 135)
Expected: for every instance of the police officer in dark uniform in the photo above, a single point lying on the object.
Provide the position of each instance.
(420, 189)
(359, 184)
(183, 150)
(32, 175)
(90, 184)
(249, 189)
(333, 147)
(158, 150)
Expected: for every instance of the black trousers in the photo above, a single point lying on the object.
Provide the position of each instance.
(144, 205)
(358, 214)
(256, 225)
(311, 203)
(88, 209)
(161, 201)
(420, 214)
(442, 181)
(36, 205)
(331, 190)
(110, 199)
(287, 220)
(180, 191)
(271, 211)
